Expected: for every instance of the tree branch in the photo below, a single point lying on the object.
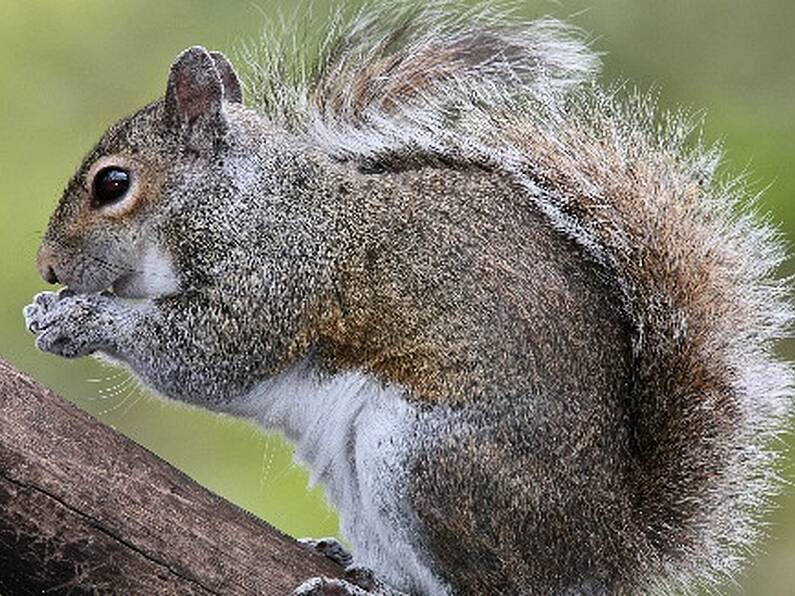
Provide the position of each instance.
(83, 509)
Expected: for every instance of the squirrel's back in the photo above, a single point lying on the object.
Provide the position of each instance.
(690, 267)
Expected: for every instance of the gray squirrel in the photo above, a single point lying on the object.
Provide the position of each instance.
(512, 320)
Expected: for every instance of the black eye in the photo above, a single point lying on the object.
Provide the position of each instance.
(110, 184)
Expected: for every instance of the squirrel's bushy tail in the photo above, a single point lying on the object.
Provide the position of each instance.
(696, 269)
(693, 264)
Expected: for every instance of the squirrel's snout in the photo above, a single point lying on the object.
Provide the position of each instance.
(46, 269)
(48, 274)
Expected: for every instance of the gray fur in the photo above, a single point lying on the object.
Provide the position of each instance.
(582, 317)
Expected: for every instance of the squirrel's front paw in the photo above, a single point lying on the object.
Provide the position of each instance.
(69, 324)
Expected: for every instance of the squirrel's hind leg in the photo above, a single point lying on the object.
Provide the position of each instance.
(358, 581)
(323, 586)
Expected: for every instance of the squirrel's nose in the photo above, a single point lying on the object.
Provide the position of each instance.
(48, 274)
(44, 264)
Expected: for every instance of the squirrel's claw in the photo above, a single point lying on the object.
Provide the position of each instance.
(331, 548)
(35, 313)
(358, 580)
(323, 586)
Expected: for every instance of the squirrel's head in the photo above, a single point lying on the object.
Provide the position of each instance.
(107, 230)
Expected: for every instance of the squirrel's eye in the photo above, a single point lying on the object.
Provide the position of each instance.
(110, 184)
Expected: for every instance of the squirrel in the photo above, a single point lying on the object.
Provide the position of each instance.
(512, 319)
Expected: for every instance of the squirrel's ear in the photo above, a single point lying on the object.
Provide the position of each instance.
(194, 86)
(232, 89)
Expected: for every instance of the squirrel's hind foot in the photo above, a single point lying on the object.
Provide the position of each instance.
(357, 580)
(331, 548)
(323, 586)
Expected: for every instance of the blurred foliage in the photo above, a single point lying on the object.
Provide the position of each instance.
(69, 69)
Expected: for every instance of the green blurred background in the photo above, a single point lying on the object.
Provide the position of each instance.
(69, 69)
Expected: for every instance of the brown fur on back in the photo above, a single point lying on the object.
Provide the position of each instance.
(458, 290)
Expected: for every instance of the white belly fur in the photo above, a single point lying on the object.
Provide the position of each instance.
(351, 430)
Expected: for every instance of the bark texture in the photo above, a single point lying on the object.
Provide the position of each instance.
(84, 509)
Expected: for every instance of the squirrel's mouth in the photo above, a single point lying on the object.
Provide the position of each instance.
(137, 285)
(130, 285)
(124, 286)
(149, 276)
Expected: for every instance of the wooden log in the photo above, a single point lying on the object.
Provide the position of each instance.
(84, 509)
